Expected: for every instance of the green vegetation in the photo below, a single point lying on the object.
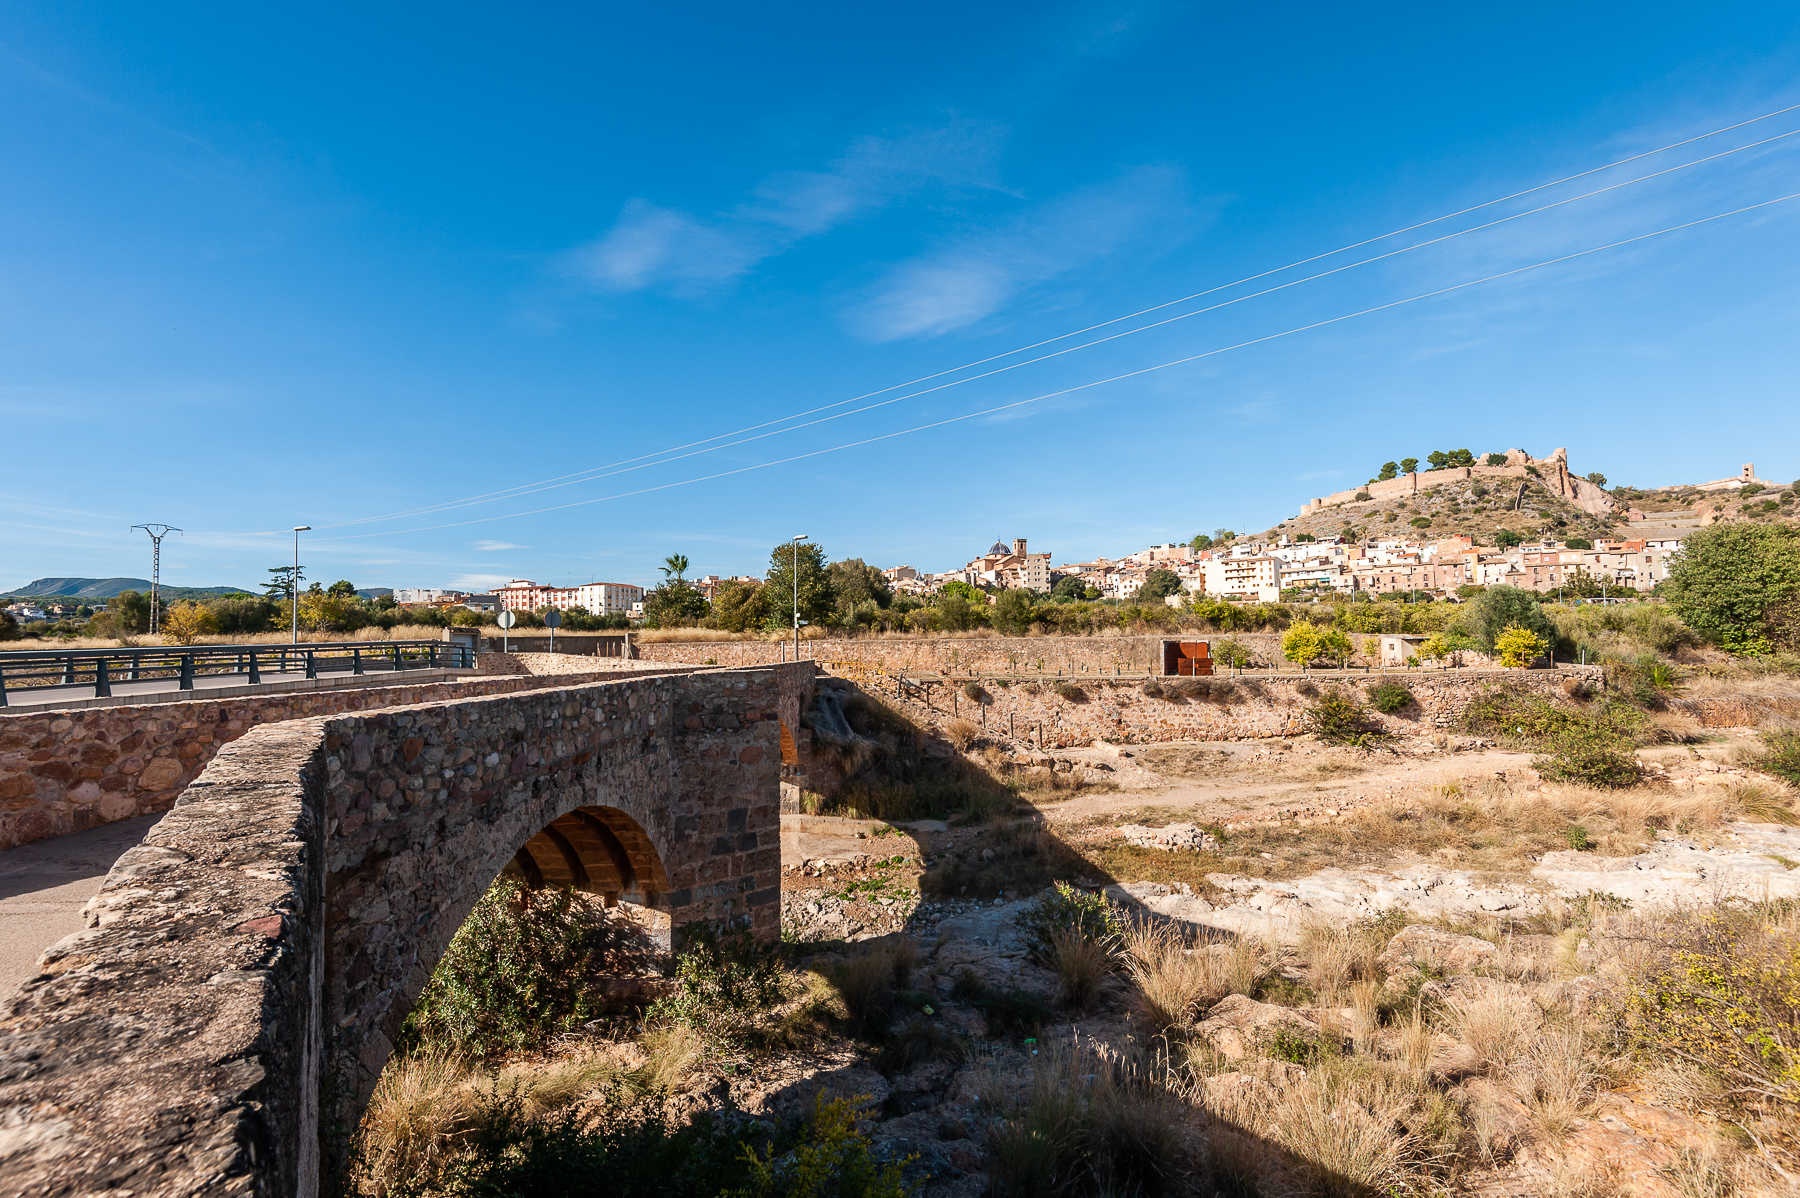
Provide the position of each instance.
(1586, 747)
(1738, 586)
(1341, 720)
(1305, 642)
(1089, 915)
(1519, 647)
(1496, 609)
(522, 969)
(1781, 756)
(723, 982)
(1390, 697)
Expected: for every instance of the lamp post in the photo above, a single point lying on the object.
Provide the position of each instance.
(797, 540)
(294, 581)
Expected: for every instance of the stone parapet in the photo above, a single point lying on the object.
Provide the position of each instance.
(67, 771)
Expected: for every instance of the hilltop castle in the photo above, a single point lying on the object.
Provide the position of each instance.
(1552, 471)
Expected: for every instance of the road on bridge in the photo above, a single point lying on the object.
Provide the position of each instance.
(45, 884)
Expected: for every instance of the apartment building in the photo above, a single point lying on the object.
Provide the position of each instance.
(598, 598)
(1256, 577)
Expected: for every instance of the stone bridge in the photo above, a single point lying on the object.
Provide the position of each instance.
(219, 1026)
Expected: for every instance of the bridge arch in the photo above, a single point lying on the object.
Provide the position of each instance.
(251, 962)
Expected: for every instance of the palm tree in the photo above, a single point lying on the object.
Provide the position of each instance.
(675, 566)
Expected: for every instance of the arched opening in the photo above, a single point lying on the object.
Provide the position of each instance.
(600, 850)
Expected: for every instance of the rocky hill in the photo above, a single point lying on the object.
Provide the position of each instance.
(1536, 498)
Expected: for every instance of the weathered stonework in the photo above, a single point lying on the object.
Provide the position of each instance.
(66, 771)
(220, 1024)
(1127, 656)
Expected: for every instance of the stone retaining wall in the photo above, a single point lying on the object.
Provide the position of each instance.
(66, 771)
(1124, 655)
(1219, 708)
(219, 1026)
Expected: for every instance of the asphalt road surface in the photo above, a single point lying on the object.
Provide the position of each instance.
(45, 884)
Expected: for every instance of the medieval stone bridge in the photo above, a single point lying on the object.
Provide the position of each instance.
(221, 1022)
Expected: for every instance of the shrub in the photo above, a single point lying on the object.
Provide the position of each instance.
(1725, 997)
(1390, 697)
(1590, 756)
(1519, 647)
(870, 982)
(560, 1154)
(1733, 583)
(1081, 964)
(1071, 692)
(974, 690)
(1341, 720)
(1781, 756)
(523, 968)
(1065, 909)
(723, 980)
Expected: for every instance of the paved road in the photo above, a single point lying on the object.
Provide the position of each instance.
(59, 696)
(44, 885)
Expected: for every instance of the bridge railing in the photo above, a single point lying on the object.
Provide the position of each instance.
(98, 670)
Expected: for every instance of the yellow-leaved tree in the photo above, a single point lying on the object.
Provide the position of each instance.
(1519, 647)
(186, 622)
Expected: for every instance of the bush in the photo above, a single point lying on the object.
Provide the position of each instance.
(1724, 996)
(1590, 748)
(1737, 585)
(1781, 756)
(565, 1153)
(974, 690)
(1092, 916)
(1390, 697)
(723, 981)
(1341, 720)
(1590, 756)
(523, 968)
(1071, 692)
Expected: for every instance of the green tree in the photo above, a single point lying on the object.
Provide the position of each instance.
(1595, 477)
(9, 627)
(1438, 459)
(954, 612)
(1496, 609)
(1461, 457)
(675, 567)
(1014, 611)
(1200, 543)
(1496, 459)
(343, 588)
(815, 585)
(739, 606)
(1068, 588)
(131, 609)
(1506, 538)
(856, 585)
(1738, 585)
(187, 621)
(957, 586)
(674, 604)
(1408, 465)
(1223, 536)
(281, 580)
(1388, 470)
(1158, 584)
(1579, 543)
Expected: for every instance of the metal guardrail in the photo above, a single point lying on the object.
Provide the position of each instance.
(100, 669)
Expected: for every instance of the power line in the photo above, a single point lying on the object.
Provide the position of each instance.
(605, 472)
(1020, 403)
(626, 465)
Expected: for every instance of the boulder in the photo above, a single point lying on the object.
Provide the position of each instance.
(1434, 951)
(1238, 1026)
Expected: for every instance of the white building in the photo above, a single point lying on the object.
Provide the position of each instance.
(1234, 577)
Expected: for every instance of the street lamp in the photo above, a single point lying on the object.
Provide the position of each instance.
(797, 540)
(294, 581)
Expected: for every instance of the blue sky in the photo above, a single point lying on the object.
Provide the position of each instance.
(257, 271)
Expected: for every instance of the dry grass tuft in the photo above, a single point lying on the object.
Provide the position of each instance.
(1496, 1022)
(1177, 974)
(1081, 963)
(421, 1106)
(673, 1052)
(1555, 1075)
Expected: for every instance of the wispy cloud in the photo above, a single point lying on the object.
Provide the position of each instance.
(497, 546)
(966, 282)
(479, 582)
(651, 246)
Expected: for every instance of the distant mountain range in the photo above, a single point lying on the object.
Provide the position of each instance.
(96, 589)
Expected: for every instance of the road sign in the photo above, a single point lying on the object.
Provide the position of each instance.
(506, 619)
(553, 619)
